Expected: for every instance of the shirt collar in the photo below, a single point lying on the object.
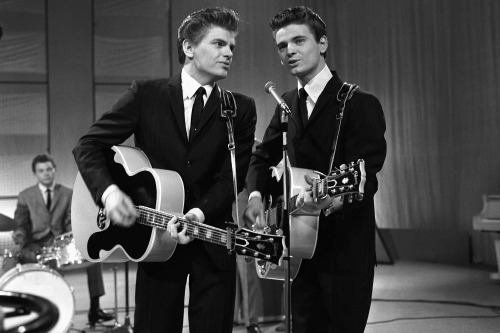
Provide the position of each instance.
(317, 84)
(44, 188)
(190, 85)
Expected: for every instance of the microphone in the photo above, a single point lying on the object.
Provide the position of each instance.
(270, 88)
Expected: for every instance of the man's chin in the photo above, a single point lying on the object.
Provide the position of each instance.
(47, 183)
(222, 75)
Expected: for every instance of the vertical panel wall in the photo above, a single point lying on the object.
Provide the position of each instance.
(23, 95)
(71, 102)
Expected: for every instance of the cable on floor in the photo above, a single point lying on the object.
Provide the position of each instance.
(493, 308)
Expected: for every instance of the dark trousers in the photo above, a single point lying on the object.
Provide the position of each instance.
(329, 302)
(160, 287)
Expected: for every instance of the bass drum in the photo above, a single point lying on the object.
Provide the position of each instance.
(42, 281)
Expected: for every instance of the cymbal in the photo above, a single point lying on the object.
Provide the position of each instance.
(6, 223)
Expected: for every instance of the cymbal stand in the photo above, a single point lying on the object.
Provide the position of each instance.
(126, 327)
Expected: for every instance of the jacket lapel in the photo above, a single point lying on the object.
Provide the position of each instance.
(328, 94)
(38, 195)
(174, 91)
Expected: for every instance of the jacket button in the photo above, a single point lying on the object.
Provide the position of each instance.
(188, 164)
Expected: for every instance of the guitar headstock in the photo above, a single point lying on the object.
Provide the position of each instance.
(348, 179)
(259, 246)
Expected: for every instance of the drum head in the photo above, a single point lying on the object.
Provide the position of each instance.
(41, 281)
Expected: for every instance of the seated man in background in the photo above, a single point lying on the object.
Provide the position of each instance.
(43, 213)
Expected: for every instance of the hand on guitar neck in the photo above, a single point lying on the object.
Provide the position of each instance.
(308, 202)
(122, 212)
(180, 236)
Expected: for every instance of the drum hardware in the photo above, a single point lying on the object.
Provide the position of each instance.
(44, 282)
(8, 260)
(63, 255)
(117, 324)
(46, 313)
(52, 261)
(126, 327)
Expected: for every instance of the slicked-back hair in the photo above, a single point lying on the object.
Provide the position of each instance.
(195, 26)
(42, 158)
(300, 15)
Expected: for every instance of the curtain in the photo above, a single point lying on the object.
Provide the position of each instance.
(434, 65)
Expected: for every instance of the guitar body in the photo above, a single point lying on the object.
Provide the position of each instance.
(303, 232)
(303, 226)
(98, 240)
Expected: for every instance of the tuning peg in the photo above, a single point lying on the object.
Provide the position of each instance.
(359, 196)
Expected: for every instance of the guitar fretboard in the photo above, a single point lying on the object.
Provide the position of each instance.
(154, 218)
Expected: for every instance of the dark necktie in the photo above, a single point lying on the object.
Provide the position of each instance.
(49, 200)
(303, 106)
(196, 112)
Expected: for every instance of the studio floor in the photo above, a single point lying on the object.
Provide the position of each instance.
(408, 297)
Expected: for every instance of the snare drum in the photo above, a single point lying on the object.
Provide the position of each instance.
(44, 282)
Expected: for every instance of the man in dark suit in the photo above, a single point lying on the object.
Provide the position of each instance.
(161, 115)
(43, 213)
(332, 291)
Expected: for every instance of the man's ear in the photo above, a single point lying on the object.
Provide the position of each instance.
(187, 47)
(323, 44)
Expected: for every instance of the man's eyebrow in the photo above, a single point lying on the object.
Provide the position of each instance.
(292, 39)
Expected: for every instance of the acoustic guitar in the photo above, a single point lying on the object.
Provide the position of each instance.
(347, 181)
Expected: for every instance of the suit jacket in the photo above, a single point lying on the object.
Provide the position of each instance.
(35, 221)
(153, 111)
(347, 239)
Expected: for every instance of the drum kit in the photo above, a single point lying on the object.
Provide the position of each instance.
(37, 283)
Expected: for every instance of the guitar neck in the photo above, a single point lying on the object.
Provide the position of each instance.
(275, 214)
(154, 218)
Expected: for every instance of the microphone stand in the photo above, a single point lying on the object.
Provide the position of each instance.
(286, 218)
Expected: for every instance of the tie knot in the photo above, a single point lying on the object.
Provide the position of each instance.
(303, 94)
(48, 190)
(200, 92)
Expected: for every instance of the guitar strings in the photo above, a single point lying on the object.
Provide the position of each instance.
(150, 217)
(292, 201)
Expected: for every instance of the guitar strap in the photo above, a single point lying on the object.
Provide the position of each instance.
(228, 111)
(343, 95)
